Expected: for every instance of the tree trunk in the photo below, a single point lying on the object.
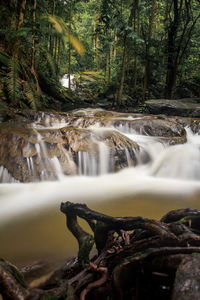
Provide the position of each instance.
(148, 45)
(136, 29)
(21, 14)
(110, 59)
(59, 54)
(96, 42)
(115, 47)
(171, 52)
(123, 71)
(105, 69)
(33, 47)
(19, 25)
(124, 55)
(69, 51)
(51, 38)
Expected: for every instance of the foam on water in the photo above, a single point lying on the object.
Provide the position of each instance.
(17, 199)
(173, 170)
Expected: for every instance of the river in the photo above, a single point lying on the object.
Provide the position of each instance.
(32, 227)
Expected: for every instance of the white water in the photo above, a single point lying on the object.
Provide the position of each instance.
(173, 170)
(31, 226)
(65, 81)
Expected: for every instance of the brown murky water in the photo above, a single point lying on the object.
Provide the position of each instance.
(45, 236)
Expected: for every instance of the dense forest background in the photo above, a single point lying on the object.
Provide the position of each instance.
(124, 51)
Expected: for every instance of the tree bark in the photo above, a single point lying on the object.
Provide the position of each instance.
(148, 45)
(69, 50)
(51, 38)
(96, 42)
(33, 47)
(110, 58)
(124, 56)
(21, 14)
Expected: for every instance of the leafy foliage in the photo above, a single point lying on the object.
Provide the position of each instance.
(12, 82)
(140, 48)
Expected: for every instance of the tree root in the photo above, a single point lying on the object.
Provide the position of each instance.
(103, 271)
(138, 258)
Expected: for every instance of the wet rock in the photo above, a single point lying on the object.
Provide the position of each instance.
(170, 132)
(182, 107)
(29, 155)
(120, 150)
(43, 154)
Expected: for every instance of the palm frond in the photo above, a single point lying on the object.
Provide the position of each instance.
(61, 28)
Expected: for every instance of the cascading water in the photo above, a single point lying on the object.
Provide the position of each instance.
(95, 157)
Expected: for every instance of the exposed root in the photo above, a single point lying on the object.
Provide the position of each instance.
(103, 271)
(160, 261)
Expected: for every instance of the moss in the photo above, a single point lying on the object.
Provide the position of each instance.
(85, 246)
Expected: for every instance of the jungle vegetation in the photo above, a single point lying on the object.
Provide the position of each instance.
(139, 48)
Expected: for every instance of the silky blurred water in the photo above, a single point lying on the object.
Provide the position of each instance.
(32, 227)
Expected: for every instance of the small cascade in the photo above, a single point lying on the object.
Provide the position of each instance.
(65, 81)
(95, 163)
(51, 167)
(30, 165)
(87, 164)
(179, 161)
(150, 147)
(5, 176)
(94, 142)
(125, 127)
(105, 162)
(73, 150)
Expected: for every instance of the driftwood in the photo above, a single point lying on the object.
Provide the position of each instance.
(137, 258)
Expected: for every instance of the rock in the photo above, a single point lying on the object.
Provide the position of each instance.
(31, 155)
(120, 150)
(170, 132)
(182, 107)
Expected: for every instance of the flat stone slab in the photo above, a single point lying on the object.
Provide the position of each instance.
(188, 107)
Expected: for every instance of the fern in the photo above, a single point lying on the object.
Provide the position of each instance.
(4, 58)
(12, 81)
(48, 57)
(31, 96)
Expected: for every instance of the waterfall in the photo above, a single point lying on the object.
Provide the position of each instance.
(119, 164)
(89, 155)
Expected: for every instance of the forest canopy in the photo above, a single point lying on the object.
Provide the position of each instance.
(140, 48)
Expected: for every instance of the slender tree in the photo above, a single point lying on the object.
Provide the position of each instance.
(148, 45)
(181, 26)
(33, 46)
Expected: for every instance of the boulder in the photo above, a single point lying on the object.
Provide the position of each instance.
(43, 154)
(182, 107)
(167, 131)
